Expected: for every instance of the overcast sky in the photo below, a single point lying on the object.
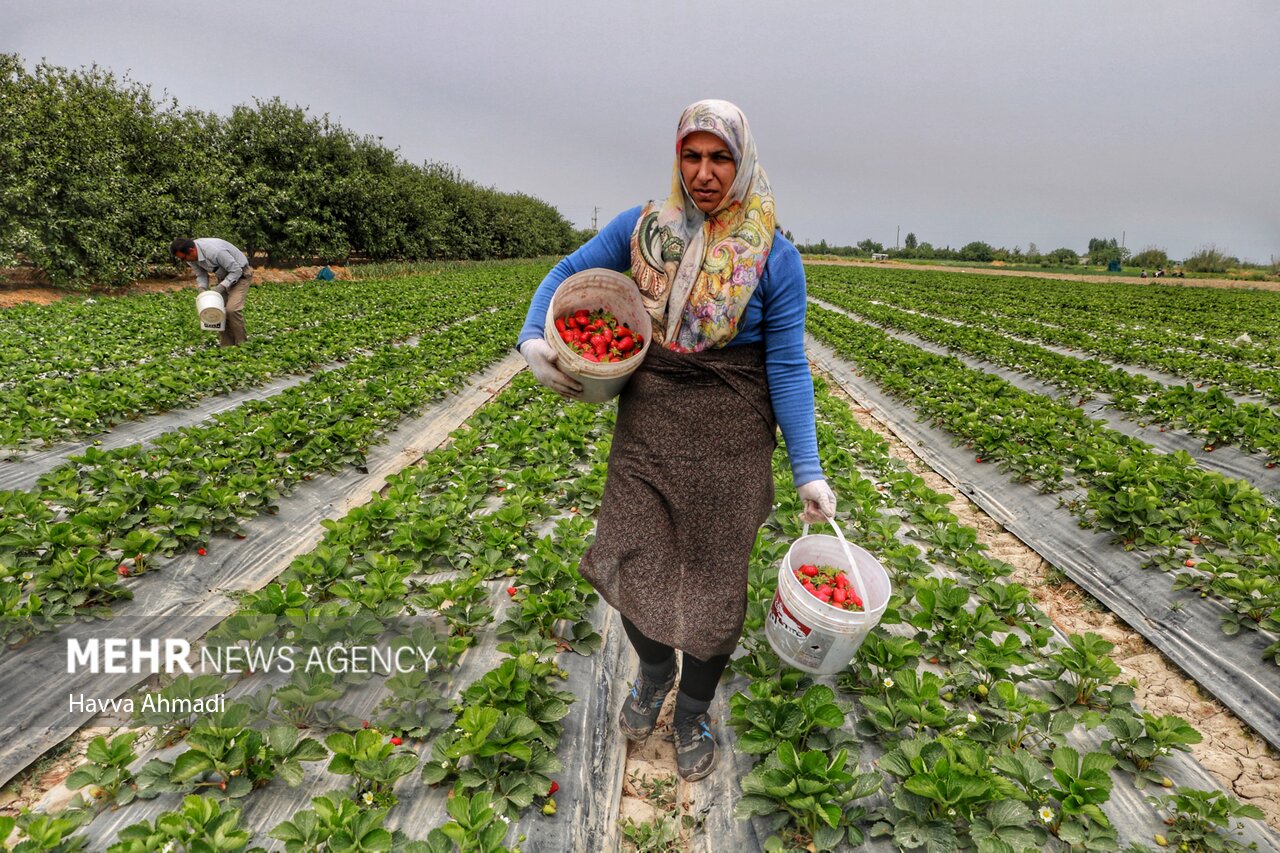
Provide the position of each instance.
(958, 120)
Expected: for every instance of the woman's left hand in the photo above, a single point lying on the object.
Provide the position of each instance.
(819, 502)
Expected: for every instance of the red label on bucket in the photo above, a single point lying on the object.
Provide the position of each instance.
(783, 619)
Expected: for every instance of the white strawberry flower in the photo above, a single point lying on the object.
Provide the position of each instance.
(888, 682)
(970, 717)
(368, 798)
(1046, 814)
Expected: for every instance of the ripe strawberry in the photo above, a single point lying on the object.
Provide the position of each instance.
(978, 460)
(809, 571)
(511, 591)
(555, 786)
(1189, 563)
(364, 724)
(123, 570)
(396, 741)
(1271, 464)
(839, 596)
(201, 551)
(222, 786)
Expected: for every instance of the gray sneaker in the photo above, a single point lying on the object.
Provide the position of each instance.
(695, 747)
(640, 709)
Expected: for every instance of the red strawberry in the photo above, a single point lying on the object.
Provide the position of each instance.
(1189, 563)
(555, 786)
(123, 570)
(511, 591)
(839, 596)
(364, 724)
(978, 460)
(201, 551)
(222, 786)
(581, 316)
(396, 741)
(626, 344)
(560, 327)
(809, 571)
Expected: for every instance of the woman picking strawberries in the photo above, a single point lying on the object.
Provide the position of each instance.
(689, 480)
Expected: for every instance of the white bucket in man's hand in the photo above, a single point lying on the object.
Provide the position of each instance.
(212, 310)
(594, 290)
(810, 634)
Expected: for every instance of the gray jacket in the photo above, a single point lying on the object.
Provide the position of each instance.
(222, 259)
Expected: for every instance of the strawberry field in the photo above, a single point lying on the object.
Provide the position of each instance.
(407, 488)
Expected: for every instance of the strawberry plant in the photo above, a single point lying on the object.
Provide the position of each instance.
(106, 770)
(811, 791)
(1201, 821)
(374, 763)
(200, 824)
(476, 827)
(1082, 786)
(765, 719)
(1138, 741)
(43, 833)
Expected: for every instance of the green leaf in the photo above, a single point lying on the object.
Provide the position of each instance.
(189, 765)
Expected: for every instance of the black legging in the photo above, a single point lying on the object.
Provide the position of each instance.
(699, 677)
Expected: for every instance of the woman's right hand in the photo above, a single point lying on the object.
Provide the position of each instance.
(542, 360)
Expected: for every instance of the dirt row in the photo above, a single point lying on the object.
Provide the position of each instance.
(18, 288)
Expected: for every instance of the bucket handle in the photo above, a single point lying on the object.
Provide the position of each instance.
(858, 586)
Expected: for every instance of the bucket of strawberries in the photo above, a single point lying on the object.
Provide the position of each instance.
(599, 329)
(830, 595)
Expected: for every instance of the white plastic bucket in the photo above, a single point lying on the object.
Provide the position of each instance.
(593, 290)
(817, 637)
(212, 310)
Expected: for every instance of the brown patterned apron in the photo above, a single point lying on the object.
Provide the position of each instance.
(688, 487)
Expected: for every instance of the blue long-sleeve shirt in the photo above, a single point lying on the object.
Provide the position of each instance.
(774, 314)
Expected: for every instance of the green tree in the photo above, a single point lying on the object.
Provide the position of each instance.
(1152, 256)
(1063, 257)
(1210, 259)
(977, 251)
(910, 242)
(1104, 251)
(870, 246)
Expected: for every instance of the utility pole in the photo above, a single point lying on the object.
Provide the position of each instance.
(895, 239)
(594, 212)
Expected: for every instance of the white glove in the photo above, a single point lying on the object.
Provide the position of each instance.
(542, 363)
(819, 502)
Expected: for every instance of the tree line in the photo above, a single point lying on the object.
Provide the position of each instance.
(1101, 252)
(97, 176)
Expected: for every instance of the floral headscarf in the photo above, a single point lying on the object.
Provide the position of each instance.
(697, 271)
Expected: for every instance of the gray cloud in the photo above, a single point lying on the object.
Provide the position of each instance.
(1008, 122)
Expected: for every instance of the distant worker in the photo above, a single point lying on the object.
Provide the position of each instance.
(230, 266)
(1144, 273)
